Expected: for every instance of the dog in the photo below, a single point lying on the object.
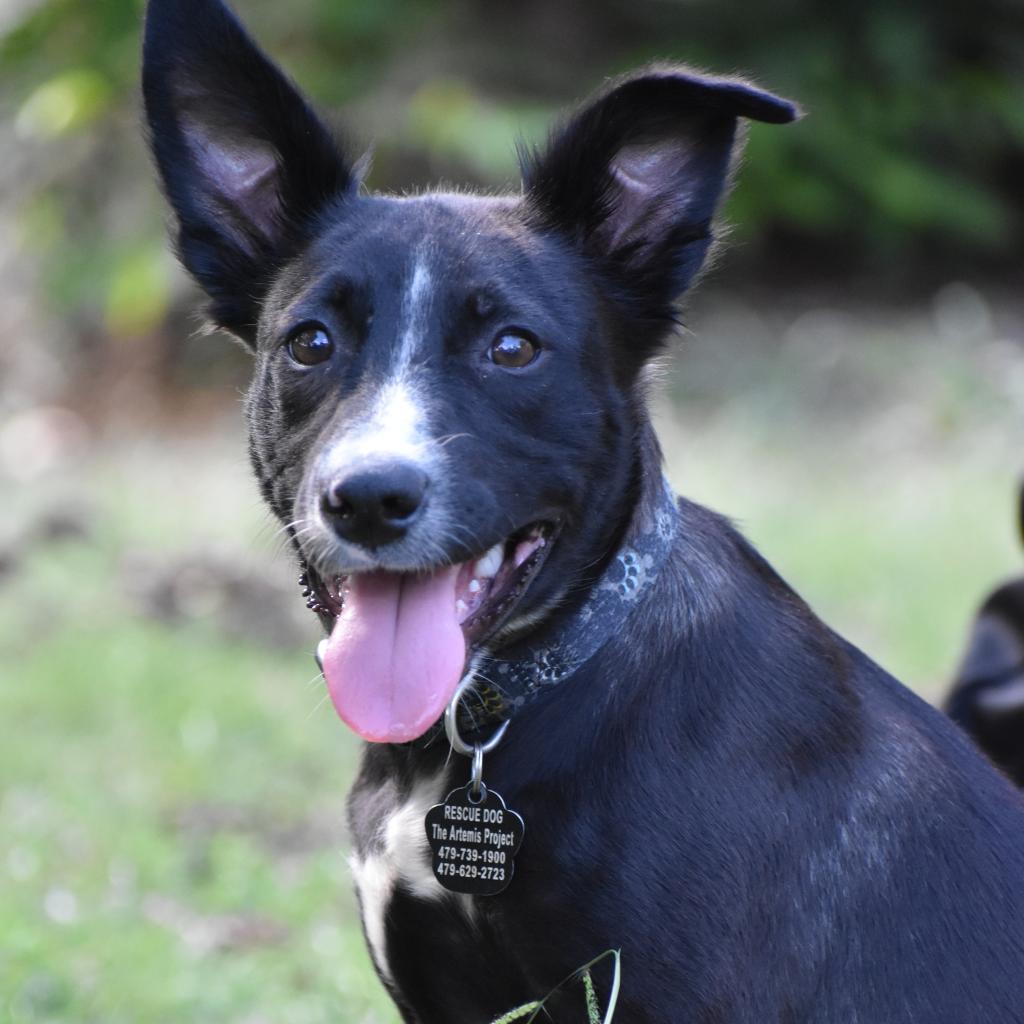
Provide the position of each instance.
(448, 413)
(987, 698)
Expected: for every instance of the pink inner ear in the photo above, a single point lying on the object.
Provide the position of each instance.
(643, 165)
(653, 178)
(244, 178)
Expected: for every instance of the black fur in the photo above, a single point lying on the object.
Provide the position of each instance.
(766, 824)
(987, 698)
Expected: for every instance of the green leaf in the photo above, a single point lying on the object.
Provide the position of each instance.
(139, 291)
(68, 102)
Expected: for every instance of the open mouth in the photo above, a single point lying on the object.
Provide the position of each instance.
(399, 643)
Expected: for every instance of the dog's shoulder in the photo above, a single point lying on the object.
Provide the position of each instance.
(741, 638)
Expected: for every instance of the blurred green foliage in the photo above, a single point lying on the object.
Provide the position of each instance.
(910, 156)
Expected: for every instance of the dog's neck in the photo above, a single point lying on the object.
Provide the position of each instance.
(513, 677)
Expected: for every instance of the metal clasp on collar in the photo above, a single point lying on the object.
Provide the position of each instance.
(451, 727)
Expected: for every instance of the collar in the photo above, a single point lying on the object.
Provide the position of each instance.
(504, 686)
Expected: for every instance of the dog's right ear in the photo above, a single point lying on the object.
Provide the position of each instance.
(245, 162)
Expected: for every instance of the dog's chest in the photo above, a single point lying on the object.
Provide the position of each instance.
(391, 854)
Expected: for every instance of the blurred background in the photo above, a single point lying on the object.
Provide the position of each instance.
(850, 389)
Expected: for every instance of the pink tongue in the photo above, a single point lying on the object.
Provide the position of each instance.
(396, 653)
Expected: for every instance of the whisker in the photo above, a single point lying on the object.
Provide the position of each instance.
(318, 678)
(292, 526)
(446, 439)
(319, 704)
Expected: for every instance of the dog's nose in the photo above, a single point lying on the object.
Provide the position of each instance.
(375, 505)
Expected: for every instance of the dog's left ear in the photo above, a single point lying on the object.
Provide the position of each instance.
(635, 176)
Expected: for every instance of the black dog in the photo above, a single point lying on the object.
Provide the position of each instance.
(448, 409)
(987, 698)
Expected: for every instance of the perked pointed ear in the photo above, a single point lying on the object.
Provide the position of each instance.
(635, 176)
(245, 162)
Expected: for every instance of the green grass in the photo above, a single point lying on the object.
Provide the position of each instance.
(171, 823)
(163, 782)
(171, 800)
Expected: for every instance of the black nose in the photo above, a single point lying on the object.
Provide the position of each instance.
(375, 505)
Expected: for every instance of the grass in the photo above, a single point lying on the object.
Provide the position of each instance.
(171, 817)
(171, 793)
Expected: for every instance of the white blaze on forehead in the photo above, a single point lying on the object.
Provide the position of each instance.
(415, 310)
(395, 425)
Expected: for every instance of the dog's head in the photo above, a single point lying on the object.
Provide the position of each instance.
(445, 407)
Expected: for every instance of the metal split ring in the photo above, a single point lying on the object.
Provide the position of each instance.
(451, 728)
(477, 790)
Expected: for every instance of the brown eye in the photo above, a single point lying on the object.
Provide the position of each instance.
(310, 345)
(513, 351)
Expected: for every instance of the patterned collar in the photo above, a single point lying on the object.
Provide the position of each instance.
(504, 686)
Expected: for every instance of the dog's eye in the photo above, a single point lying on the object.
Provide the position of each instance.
(310, 344)
(513, 351)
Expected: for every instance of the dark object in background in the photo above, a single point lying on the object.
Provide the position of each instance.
(220, 590)
(988, 695)
(55, 526)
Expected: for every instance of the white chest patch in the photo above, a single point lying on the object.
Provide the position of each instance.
(402, 858)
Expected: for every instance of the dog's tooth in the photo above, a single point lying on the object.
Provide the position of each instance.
(461, 608)
(321, 653)
(474, 586)
(491, 562)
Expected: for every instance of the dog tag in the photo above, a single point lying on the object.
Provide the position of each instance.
(474, 840)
